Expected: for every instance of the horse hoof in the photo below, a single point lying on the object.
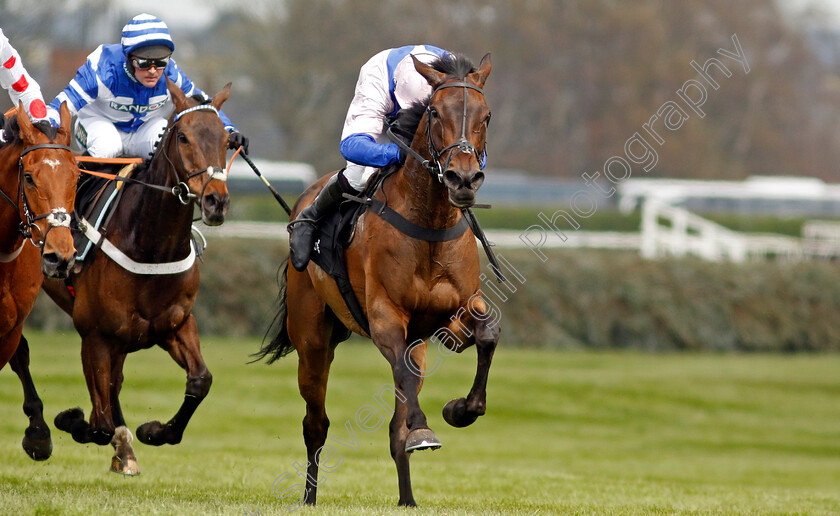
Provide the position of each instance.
(67, 418)
(455, 413)
(37, 443)
(124, 461)
(155, 433)
(421, 439)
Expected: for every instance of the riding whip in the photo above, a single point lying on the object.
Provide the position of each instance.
(264, 180)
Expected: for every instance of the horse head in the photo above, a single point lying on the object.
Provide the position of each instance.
(456, 122)
(48, 177)
(196, 146)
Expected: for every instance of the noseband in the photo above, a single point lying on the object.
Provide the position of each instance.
(57, 217)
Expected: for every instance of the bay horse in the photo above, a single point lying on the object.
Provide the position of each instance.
(409, 288)
(38, 178)
(117, 311)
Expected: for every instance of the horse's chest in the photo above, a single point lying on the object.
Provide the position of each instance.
(19, 284)
(440, 296)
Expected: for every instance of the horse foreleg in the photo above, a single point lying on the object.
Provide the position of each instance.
(96, 363)
(36, 439)
(389, 334)
(462, 412)
(398, 432)
(184, 348)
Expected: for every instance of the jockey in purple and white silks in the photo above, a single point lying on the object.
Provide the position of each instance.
(387, 83)
(120, 96)
(21, 86)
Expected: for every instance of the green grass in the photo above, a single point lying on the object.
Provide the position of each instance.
(565, 433)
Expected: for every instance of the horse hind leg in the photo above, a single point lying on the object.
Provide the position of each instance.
(184, 348)
(314, 361)
(462, 412)
(96, 362)
(37, 442)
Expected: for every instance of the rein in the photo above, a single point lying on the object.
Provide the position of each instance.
(434, 167)
(181, 189)
(57, 217)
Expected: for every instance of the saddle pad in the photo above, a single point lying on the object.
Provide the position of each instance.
(95, 199)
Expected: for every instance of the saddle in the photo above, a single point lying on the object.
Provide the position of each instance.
(334, 234)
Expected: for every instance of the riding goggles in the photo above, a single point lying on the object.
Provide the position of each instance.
(142, 63)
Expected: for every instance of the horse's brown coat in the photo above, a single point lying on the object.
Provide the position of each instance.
(408, 288)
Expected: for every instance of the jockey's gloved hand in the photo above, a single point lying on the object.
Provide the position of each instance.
(237, 140)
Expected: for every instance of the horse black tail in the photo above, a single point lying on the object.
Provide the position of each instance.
(279, 345)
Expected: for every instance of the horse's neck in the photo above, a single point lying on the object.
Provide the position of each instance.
(420, 198)
(153, 222)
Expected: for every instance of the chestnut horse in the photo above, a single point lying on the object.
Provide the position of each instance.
(117, 311)
(409, 289)
(38, 178)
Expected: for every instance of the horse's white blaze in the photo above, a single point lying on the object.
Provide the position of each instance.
(54, 163)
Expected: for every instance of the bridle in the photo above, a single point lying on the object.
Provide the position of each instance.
(57, 217)
(461, 145)
(181, 189)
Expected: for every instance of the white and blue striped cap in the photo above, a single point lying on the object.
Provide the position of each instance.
(145, 30)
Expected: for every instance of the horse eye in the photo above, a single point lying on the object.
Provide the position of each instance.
(433, 113)
(487, 120)
(30, 181)
(183, 138)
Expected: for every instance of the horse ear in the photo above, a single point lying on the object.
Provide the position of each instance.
(178, 96)
(64, 129)
(430, 74)
(221, 97)
(27, 130)
(480, 76)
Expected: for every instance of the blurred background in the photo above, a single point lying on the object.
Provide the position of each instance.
(729, 242)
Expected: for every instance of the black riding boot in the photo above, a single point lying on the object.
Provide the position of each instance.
(303, 227)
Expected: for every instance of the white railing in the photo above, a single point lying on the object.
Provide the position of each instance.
(672, 231)
(666, 231)
(821, 239)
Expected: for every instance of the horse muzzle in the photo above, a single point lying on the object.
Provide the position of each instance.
(54, 265)
(462, 186)
(214, 208)
(58, 255)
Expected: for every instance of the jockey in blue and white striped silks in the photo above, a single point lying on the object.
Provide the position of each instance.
(118, 115)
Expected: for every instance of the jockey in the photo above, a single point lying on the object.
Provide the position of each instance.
(20, 85)
(387, 83)
(120, 96)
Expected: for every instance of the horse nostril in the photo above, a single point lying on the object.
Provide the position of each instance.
(477, 180)
(452, 179)
(50, 260)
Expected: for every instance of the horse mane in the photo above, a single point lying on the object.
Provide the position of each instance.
(454, 66)
(12, 129)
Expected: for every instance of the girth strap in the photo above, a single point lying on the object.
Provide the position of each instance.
(409, 228)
